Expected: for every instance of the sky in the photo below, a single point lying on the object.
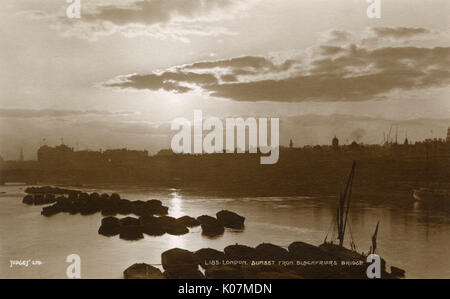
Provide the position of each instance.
(119, 75)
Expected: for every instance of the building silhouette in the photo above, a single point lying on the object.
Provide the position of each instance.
(63, 156)
(335, 143)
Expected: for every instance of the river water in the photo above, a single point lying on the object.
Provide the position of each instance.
(412, 235)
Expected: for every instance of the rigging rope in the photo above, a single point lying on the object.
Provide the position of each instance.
(351, 237)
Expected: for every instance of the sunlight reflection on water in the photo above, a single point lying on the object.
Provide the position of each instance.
(176, 205)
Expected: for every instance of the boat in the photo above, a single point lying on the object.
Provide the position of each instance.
(340, 253)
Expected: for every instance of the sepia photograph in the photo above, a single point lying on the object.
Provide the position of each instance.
(250, 140)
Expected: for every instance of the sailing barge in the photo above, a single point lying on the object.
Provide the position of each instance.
(339, 252)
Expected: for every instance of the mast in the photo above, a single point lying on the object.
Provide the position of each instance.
(342, 211)
(374, 239)
(396, 134)
(389, 135)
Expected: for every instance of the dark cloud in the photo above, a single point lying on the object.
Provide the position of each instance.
(344, 74)
(168, 81)
(255, 63)
(318, 87)
(176, 19)
(31, 113)
(155, 11)
(204, 74)
(337, 36)
(399, 32)
(331, 50)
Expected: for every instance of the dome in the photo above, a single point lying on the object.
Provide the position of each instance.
(335, 142)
